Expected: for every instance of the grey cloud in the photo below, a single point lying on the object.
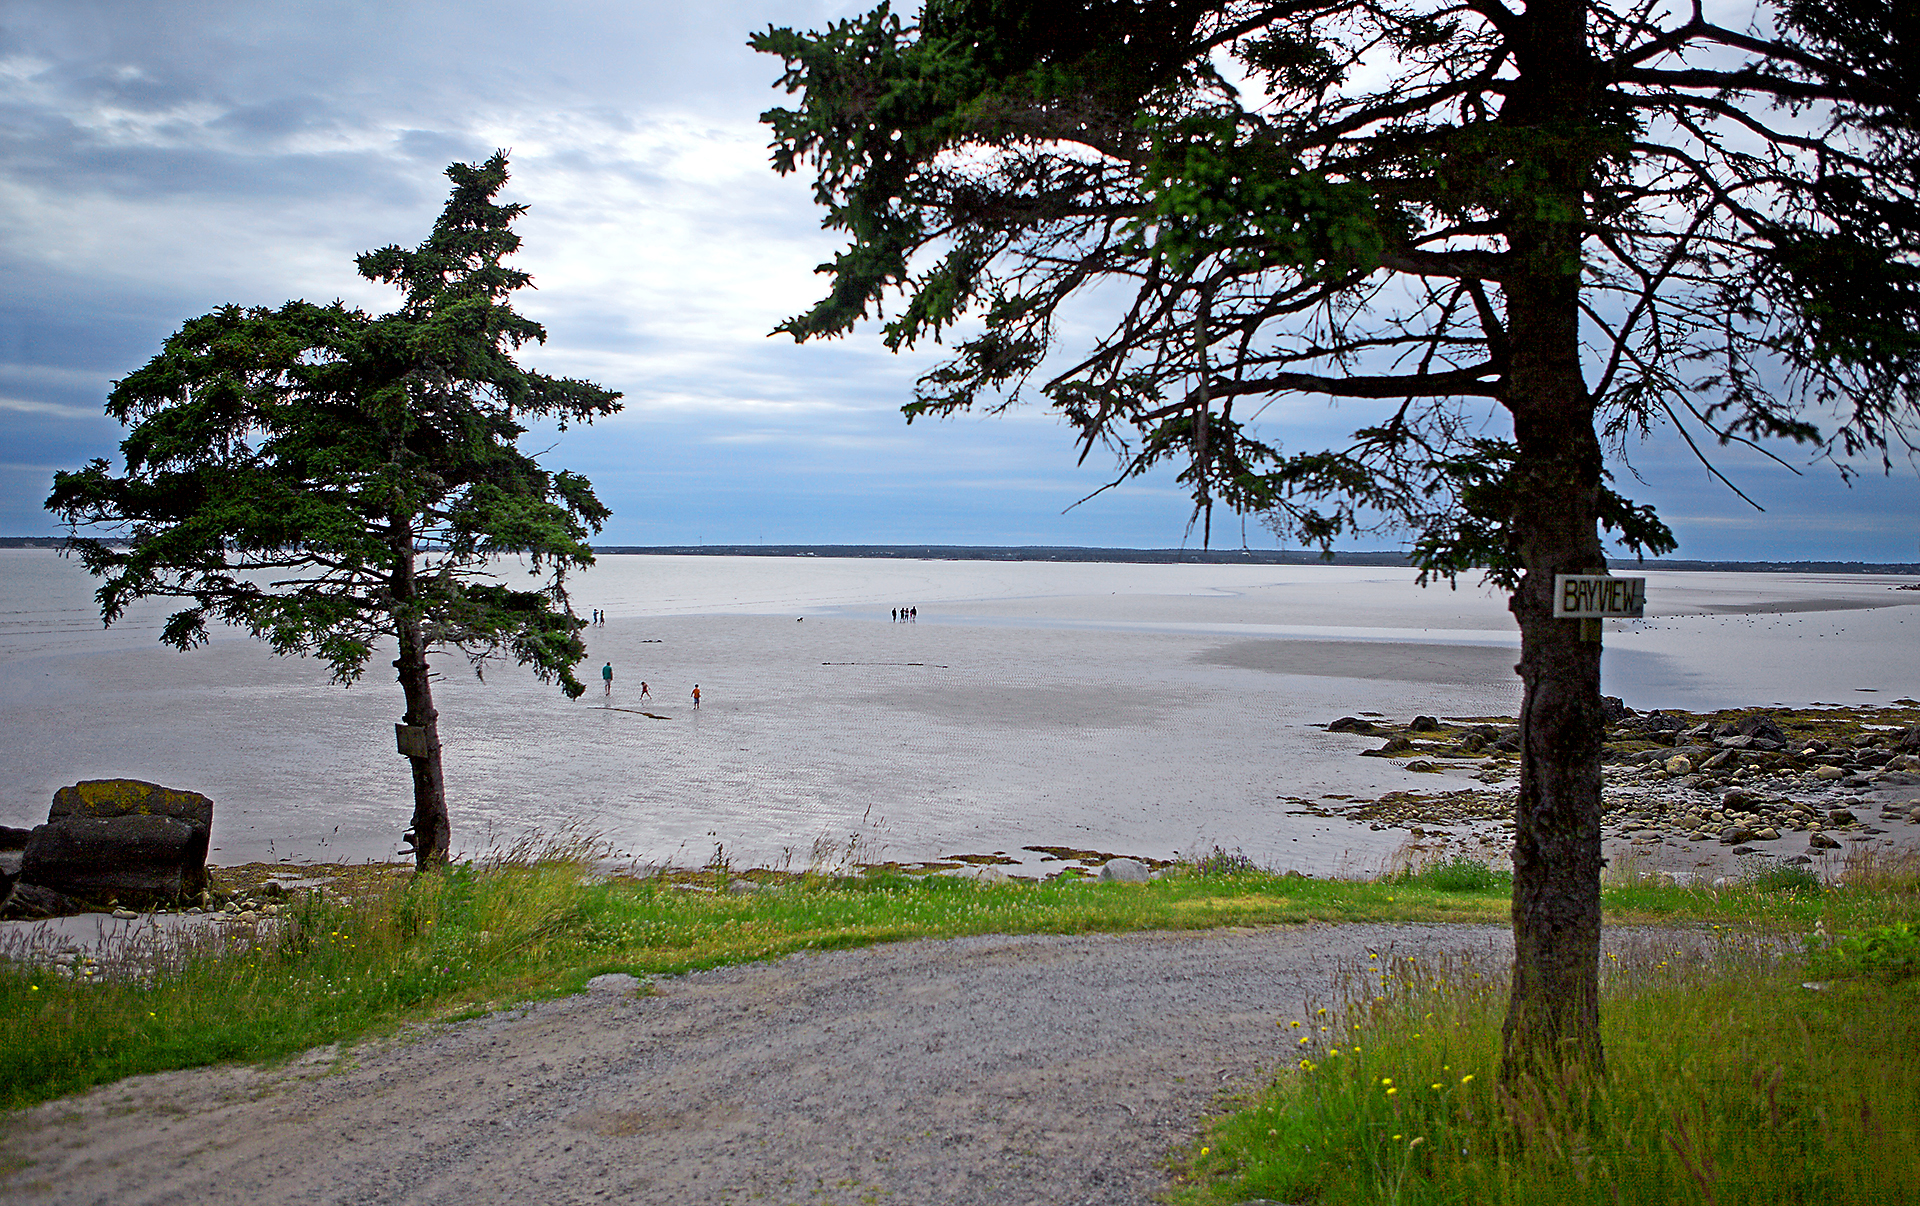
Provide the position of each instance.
(135, 90)
(275, 119)
(440, 147)
(78, 166)
(66, 324)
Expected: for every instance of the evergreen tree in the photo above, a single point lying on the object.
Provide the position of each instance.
(1529, 229)
(329, 479)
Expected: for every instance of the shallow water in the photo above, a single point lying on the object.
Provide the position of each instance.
(1142, 709)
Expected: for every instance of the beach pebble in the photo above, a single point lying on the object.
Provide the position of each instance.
(1124, 871)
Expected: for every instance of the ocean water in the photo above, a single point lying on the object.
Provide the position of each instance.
(1139, 709)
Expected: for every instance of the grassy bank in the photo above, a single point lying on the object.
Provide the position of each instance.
(1737, 1071)
(447, 945)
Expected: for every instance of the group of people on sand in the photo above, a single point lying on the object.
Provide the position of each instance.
(646, 693)
(906, 615)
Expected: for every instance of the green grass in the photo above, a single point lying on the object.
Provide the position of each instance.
(1457, 874)
(1731, 1076)
(448, 945)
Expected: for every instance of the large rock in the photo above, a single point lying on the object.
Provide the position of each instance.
(1125, 871)
(123, 840)
(134, 860)
(1761, 729)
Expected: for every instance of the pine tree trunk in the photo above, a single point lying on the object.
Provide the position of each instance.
(1553, 1016)
(432, 834)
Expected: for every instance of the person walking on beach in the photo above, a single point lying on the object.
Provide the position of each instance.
(644, 693)
(606, 676)
(696, 697)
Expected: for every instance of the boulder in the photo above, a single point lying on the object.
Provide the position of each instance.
(1423, 724)
(135, 860)
(1351, 724)
(1659, 722)
(1760, 729)
(126, 840)
(1394, 745)
(13, 838)
(1124, 871)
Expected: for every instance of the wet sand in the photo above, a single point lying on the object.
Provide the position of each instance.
(1142, 710)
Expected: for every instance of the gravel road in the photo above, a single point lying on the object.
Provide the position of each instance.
(992, 1070)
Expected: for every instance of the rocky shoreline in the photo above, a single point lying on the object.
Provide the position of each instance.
(1790, 783)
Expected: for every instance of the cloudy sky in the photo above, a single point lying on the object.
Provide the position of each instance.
(164, 158)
